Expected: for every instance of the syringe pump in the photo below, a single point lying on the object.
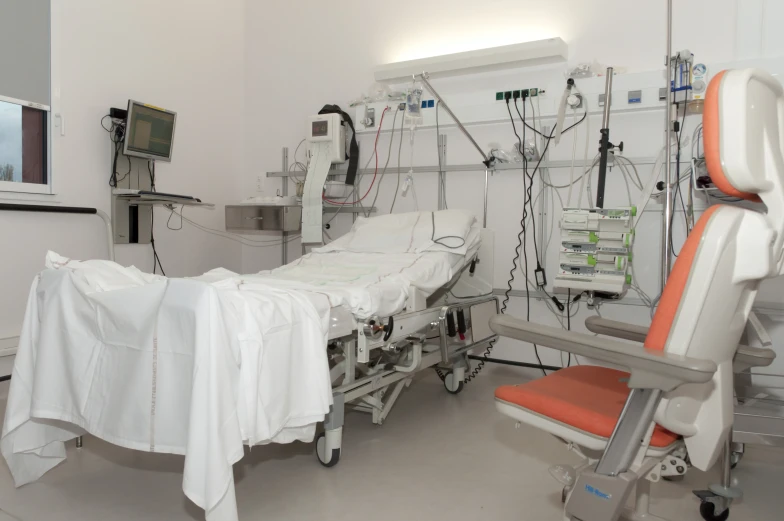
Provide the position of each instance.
(595, 252)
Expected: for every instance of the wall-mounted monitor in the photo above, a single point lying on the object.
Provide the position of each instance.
(149, 131)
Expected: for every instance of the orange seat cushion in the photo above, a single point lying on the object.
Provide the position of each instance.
(588, 398)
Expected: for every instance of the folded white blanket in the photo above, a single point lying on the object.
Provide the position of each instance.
(164, 365)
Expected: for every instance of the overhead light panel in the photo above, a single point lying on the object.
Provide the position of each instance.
(540, 52)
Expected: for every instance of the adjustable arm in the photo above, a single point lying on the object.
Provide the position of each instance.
(745, 358)
(649, 369)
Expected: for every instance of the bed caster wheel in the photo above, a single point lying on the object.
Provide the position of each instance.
(453, 385)
(328, 458)
(708, 512)
(735, 458)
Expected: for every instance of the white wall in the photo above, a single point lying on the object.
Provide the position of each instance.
(314, 54)
(187, 55)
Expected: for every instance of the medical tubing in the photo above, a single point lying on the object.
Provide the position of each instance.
(562, 113)
(399, 150)
(384, 171)
(571, 169)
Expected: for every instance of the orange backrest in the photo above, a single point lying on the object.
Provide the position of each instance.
(711, 131)
(676, 284)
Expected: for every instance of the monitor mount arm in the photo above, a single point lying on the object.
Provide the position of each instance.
(487, 161)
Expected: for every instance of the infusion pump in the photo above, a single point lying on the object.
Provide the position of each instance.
(596, 249)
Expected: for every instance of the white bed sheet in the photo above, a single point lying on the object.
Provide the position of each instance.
(164, 365)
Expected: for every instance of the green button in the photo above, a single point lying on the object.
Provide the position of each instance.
(634, 211)
(591, 260)
(592, 237)
(628, 279)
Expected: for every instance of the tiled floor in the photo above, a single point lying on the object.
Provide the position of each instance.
(437, 457)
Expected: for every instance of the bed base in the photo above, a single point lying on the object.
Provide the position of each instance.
(369, 373)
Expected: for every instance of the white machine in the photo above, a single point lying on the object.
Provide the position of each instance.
(327, 139)
(596, 249)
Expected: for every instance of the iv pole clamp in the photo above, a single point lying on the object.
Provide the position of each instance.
(424, 79)
(605, 146)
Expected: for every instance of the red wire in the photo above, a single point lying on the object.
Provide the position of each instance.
(375, 173)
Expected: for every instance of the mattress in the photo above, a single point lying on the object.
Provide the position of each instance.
(362, 283)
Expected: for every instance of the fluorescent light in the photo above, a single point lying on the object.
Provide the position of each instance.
(540, 52)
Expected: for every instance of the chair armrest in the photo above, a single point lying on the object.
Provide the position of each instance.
(613, 328)
(649, 369)
(747, 357)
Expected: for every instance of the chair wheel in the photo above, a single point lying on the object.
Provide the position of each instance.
(708, 512)
(327, 460)
(452, 386)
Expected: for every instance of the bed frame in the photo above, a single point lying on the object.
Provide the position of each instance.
(373, 360)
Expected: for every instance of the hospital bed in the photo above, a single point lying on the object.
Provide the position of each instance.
(204, 365)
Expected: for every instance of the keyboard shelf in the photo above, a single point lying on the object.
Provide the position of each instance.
(158, 199)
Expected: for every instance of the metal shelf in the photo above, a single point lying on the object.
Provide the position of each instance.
(348, 209)
(478, 167)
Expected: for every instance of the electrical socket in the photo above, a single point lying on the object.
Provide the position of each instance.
(260, 183)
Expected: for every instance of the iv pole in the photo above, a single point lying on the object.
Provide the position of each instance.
(668, 202)
(605, 146)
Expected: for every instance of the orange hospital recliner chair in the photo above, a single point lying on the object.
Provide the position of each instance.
(675, 399)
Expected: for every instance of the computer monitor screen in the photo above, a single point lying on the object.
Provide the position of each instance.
(149, 131)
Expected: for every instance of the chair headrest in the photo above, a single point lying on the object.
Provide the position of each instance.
(743, 124)
(712, 134)
(742, 109)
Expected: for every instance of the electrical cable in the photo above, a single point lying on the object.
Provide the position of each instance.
(523, 225)
(117, 136)
(678, 193)
(520, 248)
(155, 259)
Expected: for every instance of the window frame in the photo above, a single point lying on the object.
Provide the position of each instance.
(35, 191)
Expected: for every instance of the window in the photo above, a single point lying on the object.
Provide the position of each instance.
(23, 139)
(25, 56)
